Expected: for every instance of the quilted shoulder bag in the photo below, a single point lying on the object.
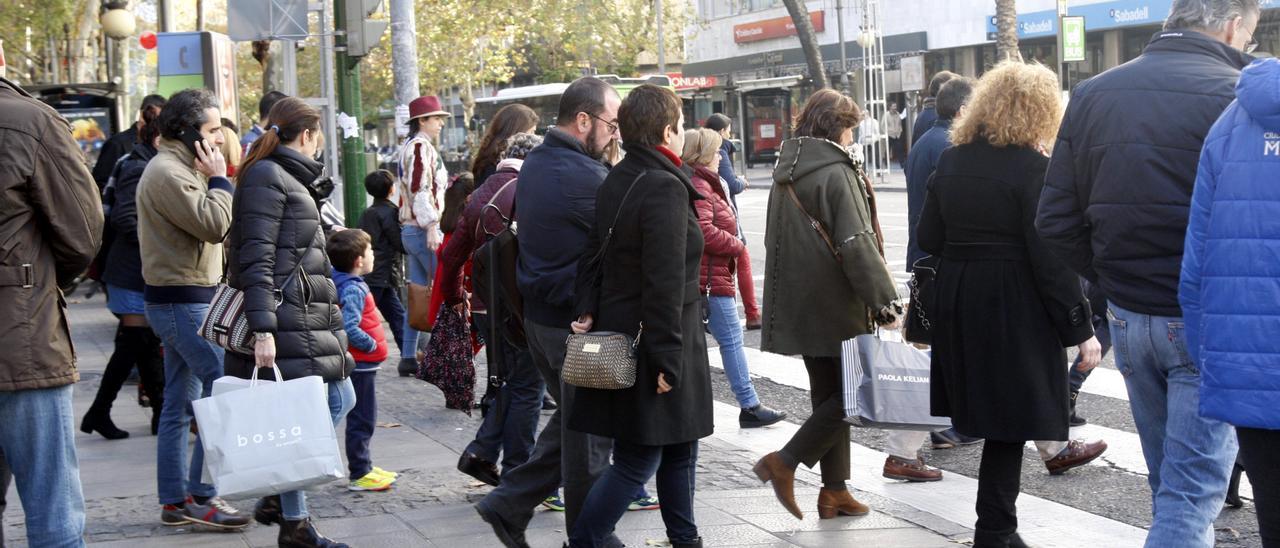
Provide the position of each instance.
(603, 360)
(226, 325)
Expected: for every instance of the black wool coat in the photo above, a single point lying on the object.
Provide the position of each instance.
(1005, 307)
(276, 253)
(649, 274)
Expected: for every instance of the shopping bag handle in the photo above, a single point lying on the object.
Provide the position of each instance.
(253, 379)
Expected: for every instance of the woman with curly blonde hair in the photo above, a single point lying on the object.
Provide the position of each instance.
(1005, 308)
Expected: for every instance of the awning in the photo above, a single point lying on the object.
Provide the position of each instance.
(780, 82)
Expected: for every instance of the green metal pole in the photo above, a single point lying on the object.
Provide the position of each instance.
(353, 158)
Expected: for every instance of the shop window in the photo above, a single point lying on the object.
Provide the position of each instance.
(766, 119)
(1268, 34)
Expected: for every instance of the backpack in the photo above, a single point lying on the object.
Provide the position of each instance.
(493, 272)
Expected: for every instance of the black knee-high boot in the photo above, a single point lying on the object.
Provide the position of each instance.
(98, 417)
(150, 364)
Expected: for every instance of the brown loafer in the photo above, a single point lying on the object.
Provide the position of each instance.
(839, 503)
(910, 470)
(771, 469)
(1078, 453)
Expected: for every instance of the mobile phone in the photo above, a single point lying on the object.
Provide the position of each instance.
(190, 136)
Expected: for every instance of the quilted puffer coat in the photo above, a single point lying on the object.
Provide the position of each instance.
(276, 255)
(719, 225)
(1230, 283)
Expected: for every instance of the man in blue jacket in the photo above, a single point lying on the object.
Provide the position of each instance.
(1114, 208)
(929, 111)
(1228, 287)
(556, 209)
(924, 155)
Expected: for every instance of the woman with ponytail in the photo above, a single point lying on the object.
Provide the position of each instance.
(276, 256)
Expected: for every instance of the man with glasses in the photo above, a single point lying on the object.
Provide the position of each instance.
(1115, 208)
(555, 205)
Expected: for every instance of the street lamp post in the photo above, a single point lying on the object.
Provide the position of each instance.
(844, 62)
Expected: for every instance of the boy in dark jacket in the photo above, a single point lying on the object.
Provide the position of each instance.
(351, 253)
(381, 223)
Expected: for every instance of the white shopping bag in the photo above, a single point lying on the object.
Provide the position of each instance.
(222, 385)
(268, 437)
(886, 384)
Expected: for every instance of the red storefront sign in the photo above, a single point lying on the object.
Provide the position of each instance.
(682, 82)
(773, 28)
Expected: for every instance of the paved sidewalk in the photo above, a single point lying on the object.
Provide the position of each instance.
(431, 504)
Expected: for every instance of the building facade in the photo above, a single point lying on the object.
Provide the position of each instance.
(749, 62)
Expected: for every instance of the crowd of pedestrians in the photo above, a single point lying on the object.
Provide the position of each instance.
(1049, 227)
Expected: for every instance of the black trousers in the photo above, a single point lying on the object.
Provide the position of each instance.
(1261, 452)
(999, 479)
(135, 346)
(824, 437)
(362, 421)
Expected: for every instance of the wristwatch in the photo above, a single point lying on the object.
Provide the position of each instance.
(262, 336)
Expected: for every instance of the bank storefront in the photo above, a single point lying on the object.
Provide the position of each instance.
(1116, 32)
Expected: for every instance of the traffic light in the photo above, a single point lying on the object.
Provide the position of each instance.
(363, 34)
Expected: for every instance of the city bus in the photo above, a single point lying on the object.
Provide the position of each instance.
(544, 99)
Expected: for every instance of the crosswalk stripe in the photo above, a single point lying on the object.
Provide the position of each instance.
(1040, 522)
(1124, 449)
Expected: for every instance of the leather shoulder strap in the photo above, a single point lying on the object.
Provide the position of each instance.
(817, 226)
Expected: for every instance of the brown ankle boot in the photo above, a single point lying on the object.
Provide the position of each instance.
(770, 468)
(839, 503)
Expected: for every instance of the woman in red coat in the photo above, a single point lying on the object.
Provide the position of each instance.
(719, 225)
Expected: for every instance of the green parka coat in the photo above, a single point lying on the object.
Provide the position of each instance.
(814, 300)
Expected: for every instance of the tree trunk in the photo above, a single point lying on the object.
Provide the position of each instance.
(404, 51)
(1007, 31)
(808, 42)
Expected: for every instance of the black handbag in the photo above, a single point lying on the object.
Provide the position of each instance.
(919, 326)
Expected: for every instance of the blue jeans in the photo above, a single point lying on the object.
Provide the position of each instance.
(422, 268)
(37, 436)
(510, 425)
(388, 301)
(728, 333)
(1189, 457)
(633, 465)
(342, 397)
(191, 364)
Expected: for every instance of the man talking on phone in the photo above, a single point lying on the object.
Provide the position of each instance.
(184, 213)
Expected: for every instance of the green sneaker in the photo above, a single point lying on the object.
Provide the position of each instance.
(644, 503)
(385, 473)
(370, 482)
(553, 503)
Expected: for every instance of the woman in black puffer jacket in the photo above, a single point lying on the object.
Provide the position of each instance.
(276, 255)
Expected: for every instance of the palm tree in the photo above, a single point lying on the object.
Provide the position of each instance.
(808, 42)
(1007, 31)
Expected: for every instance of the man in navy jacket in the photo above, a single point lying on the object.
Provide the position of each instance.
(556, 210)
(929, 112)
(925, 153)
(1114, 208)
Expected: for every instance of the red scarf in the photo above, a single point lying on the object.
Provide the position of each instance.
(670, 155)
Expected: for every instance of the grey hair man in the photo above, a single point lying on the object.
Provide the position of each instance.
(1115, 208)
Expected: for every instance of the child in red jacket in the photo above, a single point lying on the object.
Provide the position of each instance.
(351, 253)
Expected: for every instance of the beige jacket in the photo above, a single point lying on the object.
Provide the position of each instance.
(182, 219)
(50, 228)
